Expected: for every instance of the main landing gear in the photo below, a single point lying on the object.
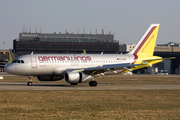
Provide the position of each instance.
(93, 83)
(30, 81)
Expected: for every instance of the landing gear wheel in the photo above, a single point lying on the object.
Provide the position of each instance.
(73, 83)
(29, 83)
(93, 83)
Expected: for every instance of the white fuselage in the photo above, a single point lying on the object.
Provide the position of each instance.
(57, 64)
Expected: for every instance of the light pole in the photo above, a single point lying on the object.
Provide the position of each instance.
(4, 44)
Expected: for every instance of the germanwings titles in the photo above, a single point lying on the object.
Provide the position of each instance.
(64, 58)
(79, 68)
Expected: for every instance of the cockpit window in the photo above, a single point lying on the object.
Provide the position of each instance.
(18, 61)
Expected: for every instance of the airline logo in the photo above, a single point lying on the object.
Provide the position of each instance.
(64, 58)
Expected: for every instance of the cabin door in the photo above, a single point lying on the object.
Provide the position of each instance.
(33, 62)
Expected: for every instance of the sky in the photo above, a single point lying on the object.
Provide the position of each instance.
(128, 19)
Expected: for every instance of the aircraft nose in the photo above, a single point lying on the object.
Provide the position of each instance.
(13, 69)
(6, 68)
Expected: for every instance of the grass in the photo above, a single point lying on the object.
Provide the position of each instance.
(93, 105)
(90, 105)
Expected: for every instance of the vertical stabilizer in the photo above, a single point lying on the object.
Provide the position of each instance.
(146, 44)
(84, 51)
(11, 56)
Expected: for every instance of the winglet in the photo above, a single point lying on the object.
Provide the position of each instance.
(146, 44)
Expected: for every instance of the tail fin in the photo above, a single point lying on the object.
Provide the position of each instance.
(11, 56)
(84, 51)
(146, 44)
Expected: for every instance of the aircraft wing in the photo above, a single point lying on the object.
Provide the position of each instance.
(111, 66)
(105, 68)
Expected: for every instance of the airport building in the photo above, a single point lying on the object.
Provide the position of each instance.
(64, 43)
(126, 47)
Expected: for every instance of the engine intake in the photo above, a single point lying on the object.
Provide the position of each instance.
(77, 77)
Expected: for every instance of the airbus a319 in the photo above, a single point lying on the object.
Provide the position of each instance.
(80, 68)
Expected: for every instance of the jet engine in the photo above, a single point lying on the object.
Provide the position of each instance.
(77, 77)
(49, 78)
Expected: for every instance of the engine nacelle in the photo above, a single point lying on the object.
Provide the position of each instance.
(77, 77)
(49, 78)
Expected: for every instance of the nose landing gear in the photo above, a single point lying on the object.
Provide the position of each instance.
(30, 81)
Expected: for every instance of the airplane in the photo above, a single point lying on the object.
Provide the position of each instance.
(11, 58)
(84, 51)
(80, 68)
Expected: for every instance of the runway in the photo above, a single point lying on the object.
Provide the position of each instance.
(84, 86)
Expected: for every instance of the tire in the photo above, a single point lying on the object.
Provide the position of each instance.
(93, 83)
(73, 83)
(29, 83)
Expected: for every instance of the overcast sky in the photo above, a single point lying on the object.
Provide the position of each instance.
(128, 19)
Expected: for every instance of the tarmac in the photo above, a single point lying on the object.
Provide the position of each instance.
(84, 86)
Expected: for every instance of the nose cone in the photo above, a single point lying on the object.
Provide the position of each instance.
(7, 68)
(10, 69)
(14, 69)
